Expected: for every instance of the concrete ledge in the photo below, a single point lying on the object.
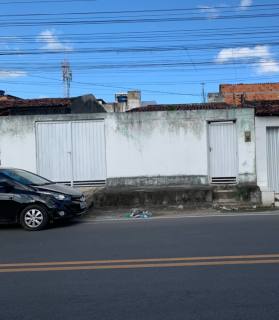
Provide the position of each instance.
(154, 196)
(187, 196)
(245, 193)
(158, 181)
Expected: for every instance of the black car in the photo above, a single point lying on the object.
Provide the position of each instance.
(33, 201)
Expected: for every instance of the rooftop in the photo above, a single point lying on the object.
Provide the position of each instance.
(19, 104)
(264, 108)
(183, 107)
(249, 84)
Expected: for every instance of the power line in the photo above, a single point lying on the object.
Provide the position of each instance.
(43, 1)
(167, 11)
(141, 49)
(139, 52)
(180, 37)
(136, 34)
(26, 23)
(121, 87)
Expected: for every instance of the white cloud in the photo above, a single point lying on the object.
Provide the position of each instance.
(52, 42)
(261, 57)
(12, 74)
(245, 4)
(268, 66)
(211, 12)
(242, 53)
(214, 12)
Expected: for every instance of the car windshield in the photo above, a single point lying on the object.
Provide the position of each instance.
(24, 177)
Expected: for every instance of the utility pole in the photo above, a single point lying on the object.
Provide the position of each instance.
(67, 77)
(203, 93)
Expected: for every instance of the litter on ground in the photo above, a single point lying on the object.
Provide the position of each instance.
(139, 213)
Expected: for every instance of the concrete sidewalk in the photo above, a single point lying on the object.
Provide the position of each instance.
(172, 201)
(107, 214)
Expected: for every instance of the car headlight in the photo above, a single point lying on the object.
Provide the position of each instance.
(57, 196)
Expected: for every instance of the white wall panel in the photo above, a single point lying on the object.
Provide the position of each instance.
(175, 143)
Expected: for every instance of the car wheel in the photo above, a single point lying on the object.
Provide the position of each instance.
(34, 218)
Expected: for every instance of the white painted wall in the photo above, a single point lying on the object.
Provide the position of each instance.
(261, 124)
(17, 143)
(172, 143)
(246, 150)
(144, 144)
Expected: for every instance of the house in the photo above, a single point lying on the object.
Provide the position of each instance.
(236, 94)
(197, 144)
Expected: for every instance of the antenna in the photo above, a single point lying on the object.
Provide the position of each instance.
(203, 93)
(67, 77)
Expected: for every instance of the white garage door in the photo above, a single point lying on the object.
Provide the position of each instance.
(71, 151)
(273, 158)
(223, 152)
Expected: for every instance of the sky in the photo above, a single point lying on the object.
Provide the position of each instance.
(168, 50)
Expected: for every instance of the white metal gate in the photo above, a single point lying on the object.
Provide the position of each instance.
(272, 135)
(72, 151)
(223, 152)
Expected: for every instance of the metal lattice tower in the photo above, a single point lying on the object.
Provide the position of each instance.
(67, 77)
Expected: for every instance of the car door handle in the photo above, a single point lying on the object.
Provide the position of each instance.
(11, 197)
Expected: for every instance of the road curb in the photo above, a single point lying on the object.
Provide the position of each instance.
(185, 216)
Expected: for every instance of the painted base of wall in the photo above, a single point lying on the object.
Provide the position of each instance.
(247, 178)
(161, 196)
(158, 181)
(188, 196)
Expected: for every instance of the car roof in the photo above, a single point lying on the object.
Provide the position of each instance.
(2, 169)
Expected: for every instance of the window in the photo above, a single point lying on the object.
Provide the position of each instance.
(24, 177)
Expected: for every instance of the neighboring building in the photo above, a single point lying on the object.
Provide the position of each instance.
(124, 102)
(10, 105)
(236, 94)
(215, 97)
(111, 107)
(267, 149)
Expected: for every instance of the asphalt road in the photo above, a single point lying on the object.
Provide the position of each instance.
(190, 268)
